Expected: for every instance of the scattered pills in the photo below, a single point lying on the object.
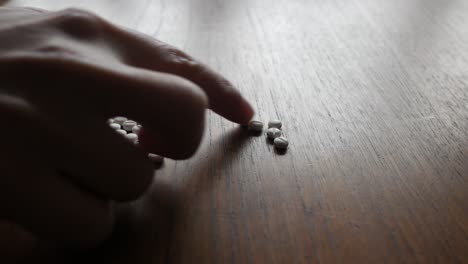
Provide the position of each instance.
(132, 137)
(136, 129)
(273, 133)
(156, 159)
(115, 126)
(275, 123)
(128, 125)
(255, 125)
(120, 119)
(281, 142)
(122, 132)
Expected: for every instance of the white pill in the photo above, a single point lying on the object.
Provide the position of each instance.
(275, 123)
(255, 125)
(281, 142)
(115, 126)
(128, 125)
(122, 132)
(156, 158)
(120, 119)
(132, 137)
(273, 133)
(110, 121)
(136, 129)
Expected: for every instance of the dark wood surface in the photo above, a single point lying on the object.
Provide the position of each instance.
(374, 99)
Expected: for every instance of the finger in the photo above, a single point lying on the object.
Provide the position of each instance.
(15, 242)
(224, 98)
(51, 207)
(21, 10)
(85, 151)
(142, 51)
(23, 13)
(103, 161)
(164, 103)
(34, 196)
(36, 9)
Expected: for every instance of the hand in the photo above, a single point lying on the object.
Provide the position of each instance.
(63, 74)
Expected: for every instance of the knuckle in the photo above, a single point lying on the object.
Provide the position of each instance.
(178, 54)
(79, 15)
(188, 94)
(54, 50)
(181, 63)
(198, 100)
(171, 50)
(80, 23)
(186, 62)
(34, 9)
(178, 57)
(189, 66)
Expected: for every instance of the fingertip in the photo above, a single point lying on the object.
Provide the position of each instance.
(223, 97)
(234, 107)
(228, 101)
(247, 112)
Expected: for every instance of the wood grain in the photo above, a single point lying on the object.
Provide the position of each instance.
(373, 95)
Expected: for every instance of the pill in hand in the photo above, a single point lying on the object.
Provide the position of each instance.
(115, 126)
(132, 137)
(120, 119)
(121, 131)
(281, 142)
(273, 133)
(128, 125)
(275, 123)
(136, 129)
(255, 125)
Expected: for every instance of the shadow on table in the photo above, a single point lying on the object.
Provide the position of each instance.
(141, 235)
(225, 150)
(206, 178)
(145, 228)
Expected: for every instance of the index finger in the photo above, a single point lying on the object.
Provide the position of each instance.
(142, 51)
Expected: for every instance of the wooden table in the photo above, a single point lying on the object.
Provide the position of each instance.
(374, 99)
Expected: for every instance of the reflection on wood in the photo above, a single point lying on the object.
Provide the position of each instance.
(373, 96)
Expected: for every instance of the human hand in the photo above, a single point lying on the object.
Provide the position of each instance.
(63, 75)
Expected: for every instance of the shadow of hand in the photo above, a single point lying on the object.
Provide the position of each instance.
(145, 228)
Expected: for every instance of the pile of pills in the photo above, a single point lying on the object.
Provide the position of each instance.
(130, 129)
(273, 132)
